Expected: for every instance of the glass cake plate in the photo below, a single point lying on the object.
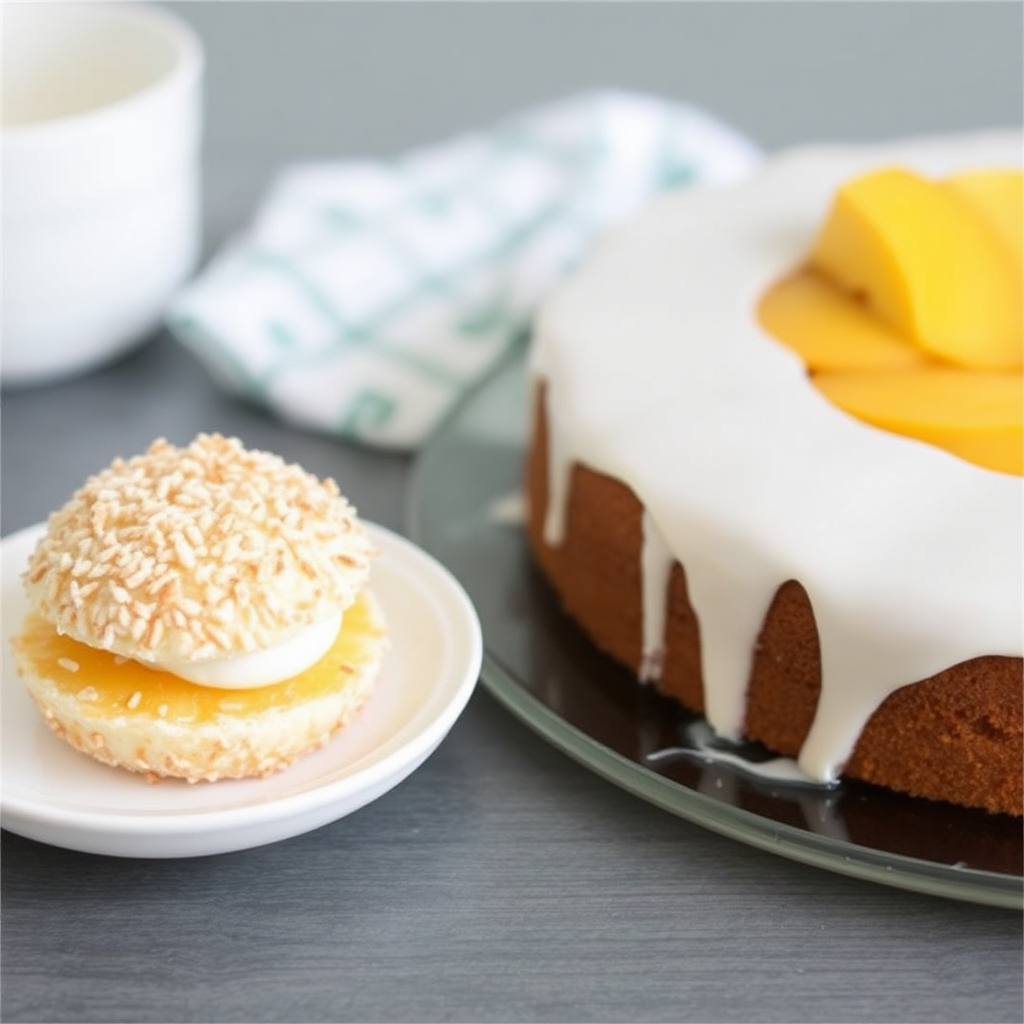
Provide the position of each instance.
(466, 510)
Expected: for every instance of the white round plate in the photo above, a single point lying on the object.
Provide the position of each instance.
(55, 795)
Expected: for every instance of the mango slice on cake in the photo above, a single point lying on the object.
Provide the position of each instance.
(998, 196)
(978, 416)
(829, 329)
(909, 313)
(928, 264)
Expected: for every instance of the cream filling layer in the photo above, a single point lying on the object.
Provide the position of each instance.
(658, 374)
(260, 668)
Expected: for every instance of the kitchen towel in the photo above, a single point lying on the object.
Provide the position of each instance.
(369, 296)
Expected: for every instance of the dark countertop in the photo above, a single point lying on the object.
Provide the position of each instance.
(502, 881)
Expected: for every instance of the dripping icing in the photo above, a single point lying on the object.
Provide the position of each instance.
(655, 569)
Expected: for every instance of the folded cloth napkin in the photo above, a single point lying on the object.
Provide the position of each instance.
(368, 297)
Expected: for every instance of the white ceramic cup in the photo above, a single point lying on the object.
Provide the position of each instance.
(100, 135)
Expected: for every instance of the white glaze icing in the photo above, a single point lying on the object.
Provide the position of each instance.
(702, 745)
(655, 570)
(260, 668)
(658, 374)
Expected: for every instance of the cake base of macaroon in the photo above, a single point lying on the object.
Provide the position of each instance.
(130, 716)
(955, 737)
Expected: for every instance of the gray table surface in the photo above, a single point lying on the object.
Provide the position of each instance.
(502, 881)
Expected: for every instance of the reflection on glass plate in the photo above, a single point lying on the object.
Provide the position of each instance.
(58, 796)
(466, 510)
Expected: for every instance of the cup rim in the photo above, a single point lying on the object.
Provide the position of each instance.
(187, 69)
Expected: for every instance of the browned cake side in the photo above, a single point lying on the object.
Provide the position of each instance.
(956, 736)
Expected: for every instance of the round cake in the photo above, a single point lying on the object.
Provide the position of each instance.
(846, 596)
(201, 613)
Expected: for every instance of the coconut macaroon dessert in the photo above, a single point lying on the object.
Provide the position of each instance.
(201, 613)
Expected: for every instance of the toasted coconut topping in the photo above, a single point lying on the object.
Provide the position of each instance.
(195, 553)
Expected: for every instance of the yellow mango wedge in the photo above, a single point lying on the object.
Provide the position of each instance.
(829, 329)
(978, 416)
(927, 263)
(998, 196)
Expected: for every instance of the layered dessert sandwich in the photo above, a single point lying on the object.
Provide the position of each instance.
(201, 613)
(775, 460)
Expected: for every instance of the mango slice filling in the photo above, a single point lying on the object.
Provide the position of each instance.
(909, 313)
(113, 686)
